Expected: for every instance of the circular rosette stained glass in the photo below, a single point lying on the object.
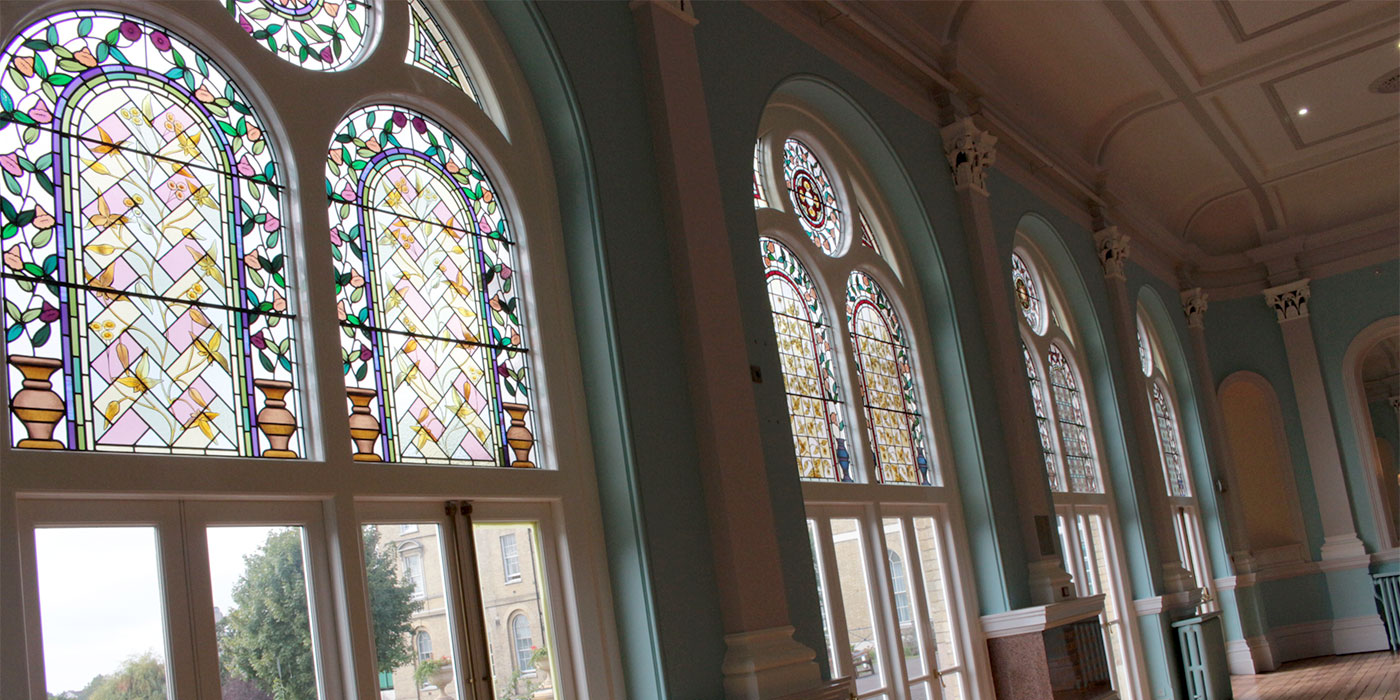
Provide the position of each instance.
(314, 34)
(813, 198)
(1028, 295)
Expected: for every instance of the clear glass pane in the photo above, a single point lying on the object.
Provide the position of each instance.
(921, 691)
(516, 614)
(101, 610)
(902, 570)
(821, 591)
(855, 600)
(261, 612)
(927, 534)
(408, 607)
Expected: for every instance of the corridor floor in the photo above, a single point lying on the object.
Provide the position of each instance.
(1374, 676)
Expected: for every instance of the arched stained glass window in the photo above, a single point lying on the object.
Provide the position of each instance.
(1144, 349)
(143, 247)
(809, 372)
(1177, 483)
(1042, 421)
(813, 198)
(867, 237)
(1028, 295)
(429, 49)
(1073, 424)
(886, 383)
(760, 197)
(428, 297)
(314, 34)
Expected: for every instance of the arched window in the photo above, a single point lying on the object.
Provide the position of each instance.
(522, 644)
(313, 34)
(145, 262)
(423, 644)
(891, 607)
(1028, 294)
(1177, 482)
(1073, 423)
(809, 372)
(430, 313)
(1042, 421)
(429, 49)
(887, 386)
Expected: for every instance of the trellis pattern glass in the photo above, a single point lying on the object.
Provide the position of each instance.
(313, 34)
(1042, 421)
(813, 198)
(429, 49)
(427, 290)
(867, 237)
(1073, 424)
(809, 371)
(143, 241)
(1028, 295)
(760, 199)
(1144, 350)
(887, 384)
(1177, 483)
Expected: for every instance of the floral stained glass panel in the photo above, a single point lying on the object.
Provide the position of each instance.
(760, 198)
(813, 198)
(427, 294)
(144, 262)
(1042, 421)
(314, 34)
(429, 49)
(887, 384)
(1073, 423)
(1144, 350)
(1028, 296)
(809, 373)
(1175, 466)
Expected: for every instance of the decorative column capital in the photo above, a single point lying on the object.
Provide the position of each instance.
(1289, 301)
(1113, 251)
(971, 152)
(1193, 302)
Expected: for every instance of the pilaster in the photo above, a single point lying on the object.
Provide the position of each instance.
(762, 659)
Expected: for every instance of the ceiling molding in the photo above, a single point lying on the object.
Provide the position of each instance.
(1232, 20)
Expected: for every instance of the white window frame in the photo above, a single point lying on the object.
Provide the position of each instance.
(510, 558)
(868, 500)
(137, 487)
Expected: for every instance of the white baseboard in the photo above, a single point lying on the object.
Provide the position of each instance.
(1353, 635)
(1301, 641)
(1249, 656)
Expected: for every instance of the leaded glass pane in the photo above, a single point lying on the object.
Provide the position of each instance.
(1144, 350)
(1177, 483)
(867, 237)
(434, 357)
(1073, 424)
(809, 372)
(887, 385)
(1028, 296)
(1042, 422)
(760, 197)
(313, 34)
(813, 198)
(144, 270)
(429, 49)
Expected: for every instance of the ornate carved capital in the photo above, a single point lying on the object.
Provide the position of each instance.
(1289, 301)
(970, 152)
(1113, 251)
(1193, 302)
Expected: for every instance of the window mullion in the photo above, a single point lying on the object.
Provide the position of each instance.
(881, 587)
(914, 568)
(205, 645)
(835, 605)
(466, 596)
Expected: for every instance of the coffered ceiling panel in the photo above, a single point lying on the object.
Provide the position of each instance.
(1225, 225)
(1354, 189)
(1335, 94)
(1169, 165)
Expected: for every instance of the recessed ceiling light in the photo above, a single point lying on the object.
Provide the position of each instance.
(1302, 111)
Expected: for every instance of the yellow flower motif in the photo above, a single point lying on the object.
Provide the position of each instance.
(195, 290)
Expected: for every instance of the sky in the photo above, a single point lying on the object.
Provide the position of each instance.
(100, 596)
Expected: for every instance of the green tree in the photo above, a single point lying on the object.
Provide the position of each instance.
(266, 639)
(139, 678)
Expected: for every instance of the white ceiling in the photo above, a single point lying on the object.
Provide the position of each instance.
(1181, 116)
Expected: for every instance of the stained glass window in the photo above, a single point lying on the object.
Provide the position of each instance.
(1042, 421)
(1144, 350)
(760, 198)
(813, 198)
(1028, 295)
(1073, 424)
(314, 34)
(144, 265)
(809, 372)
(429, 49)
(427, 290)
(1175, 466)
(887, 385)
(867, 237)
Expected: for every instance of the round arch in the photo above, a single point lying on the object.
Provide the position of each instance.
(1379, 481)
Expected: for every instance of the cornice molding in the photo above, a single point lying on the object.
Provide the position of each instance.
(1041, 617)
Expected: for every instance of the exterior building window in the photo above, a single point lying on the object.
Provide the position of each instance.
(901, 590)
(510, 558)
(423, 644)
(413, 570)
(522, 644)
